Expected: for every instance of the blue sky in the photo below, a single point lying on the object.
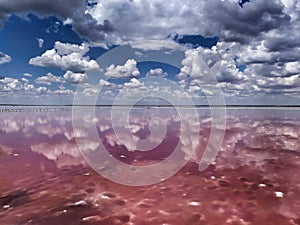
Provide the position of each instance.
(47, 49)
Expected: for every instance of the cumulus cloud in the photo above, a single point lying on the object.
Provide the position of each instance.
(67, 57)
(27, 75)
(42, 90)
(67, 49)
(75, 78)
(135, 20)
(129, 69)
(24, 80)
(292, 67)
(24, 88)
(9, 84)
(271, 64)
(146, 44)
(279, 82)
(156, 73)
(134, 83)
(218, 68)
(276, 70)
(63, 91)
(40, 42)
(282, 77)
(242, 25)
(4, 58)
(219, 60)
(104, 83)
(120, 21)
(75, 11)
(49, 79)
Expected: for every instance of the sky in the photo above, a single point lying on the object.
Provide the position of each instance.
(241, 52)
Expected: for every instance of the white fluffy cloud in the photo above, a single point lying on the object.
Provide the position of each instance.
(9, 84)
(129, 69)
(75, 78)
(285, 82)
(67, 57)
(218, 68)
(21, 90)
(104, 83)
(67, 49)
(157, 73)
(4, 58)
(40, 42)
(292, 67)
(220, 61)
(27, 75)
(134, 83)
(49, 79)
(279, 78)
(42, 90)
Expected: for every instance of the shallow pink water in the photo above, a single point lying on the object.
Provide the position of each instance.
(254, 180)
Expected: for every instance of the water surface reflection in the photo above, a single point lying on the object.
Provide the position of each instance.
(254, 179)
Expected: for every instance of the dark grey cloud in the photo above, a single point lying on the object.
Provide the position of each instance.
(243, 24)
(73, 10)
(279, 44)
(116, 22)
(62, 8)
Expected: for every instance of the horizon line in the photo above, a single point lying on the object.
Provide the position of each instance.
(149, 105)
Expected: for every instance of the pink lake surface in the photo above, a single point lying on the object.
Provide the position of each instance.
(255, 178)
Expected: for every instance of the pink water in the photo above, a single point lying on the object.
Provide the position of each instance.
(255, 178)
